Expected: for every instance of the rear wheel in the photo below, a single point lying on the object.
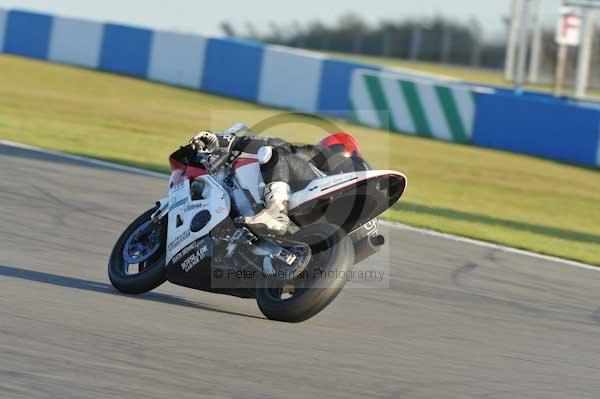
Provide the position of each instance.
(332, 257)
(137, 262)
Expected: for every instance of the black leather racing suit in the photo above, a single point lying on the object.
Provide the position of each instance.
(292, 164)
(297, 165)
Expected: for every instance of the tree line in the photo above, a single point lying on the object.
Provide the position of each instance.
(434, 40)
(437, 40)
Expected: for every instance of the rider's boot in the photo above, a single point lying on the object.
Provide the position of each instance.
(273, 219)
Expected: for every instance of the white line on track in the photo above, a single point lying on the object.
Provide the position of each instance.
(485, 244)
(395, 225)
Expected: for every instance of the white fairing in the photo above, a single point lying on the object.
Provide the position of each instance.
(215, 200)
(326, 185)
(250, 178)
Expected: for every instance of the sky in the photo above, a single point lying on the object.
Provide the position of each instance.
(205, 17)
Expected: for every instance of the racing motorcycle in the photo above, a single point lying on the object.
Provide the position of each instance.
(194, 237)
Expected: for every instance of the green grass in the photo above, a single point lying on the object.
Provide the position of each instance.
(510, 199)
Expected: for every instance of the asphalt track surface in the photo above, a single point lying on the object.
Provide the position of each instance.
(458, 320)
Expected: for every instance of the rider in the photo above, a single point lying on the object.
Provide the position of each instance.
(286, 168)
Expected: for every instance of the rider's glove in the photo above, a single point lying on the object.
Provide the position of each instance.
(206, 141)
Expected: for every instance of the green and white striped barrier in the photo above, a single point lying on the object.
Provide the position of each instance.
(429, 108)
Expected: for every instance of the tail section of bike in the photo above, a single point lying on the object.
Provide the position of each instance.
(348, 200)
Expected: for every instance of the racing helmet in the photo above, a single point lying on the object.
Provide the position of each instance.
(342, 143)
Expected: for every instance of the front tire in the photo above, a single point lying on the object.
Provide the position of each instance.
(151, 273)
(315, 288)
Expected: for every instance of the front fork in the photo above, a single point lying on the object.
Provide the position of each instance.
(162, 211)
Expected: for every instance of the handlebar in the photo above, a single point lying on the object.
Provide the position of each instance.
(216, 165)
(227, 139)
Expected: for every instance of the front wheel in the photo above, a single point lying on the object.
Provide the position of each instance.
(137, 262)
(332, 257)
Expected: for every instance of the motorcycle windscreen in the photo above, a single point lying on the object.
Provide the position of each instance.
(353, 206)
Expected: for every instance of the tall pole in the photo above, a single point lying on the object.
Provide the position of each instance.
(585, 53)
(513, 36)
(560, 69)
(446, 44)
(415, 43)
(536, 44)
(523, 45)
(386, 46)
(357, 44)
(476, 52)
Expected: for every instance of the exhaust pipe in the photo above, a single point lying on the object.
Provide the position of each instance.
(367, 246)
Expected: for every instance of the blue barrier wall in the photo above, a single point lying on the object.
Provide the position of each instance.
(532, 123)
(334, 93)
(250, 71)
(547, 128)
(27, 34)
(2, 28)
(125, 50)
(232, 68)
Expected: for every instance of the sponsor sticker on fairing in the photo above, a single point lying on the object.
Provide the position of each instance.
(337, 180)
(194, 259)
(191, 207)
(371, 227)
(178, 186)
(178, 240)
(177, 204)
(195, 252)
(187, 250)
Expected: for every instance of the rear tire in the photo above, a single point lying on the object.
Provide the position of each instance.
(153, 275)
(331, 246)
